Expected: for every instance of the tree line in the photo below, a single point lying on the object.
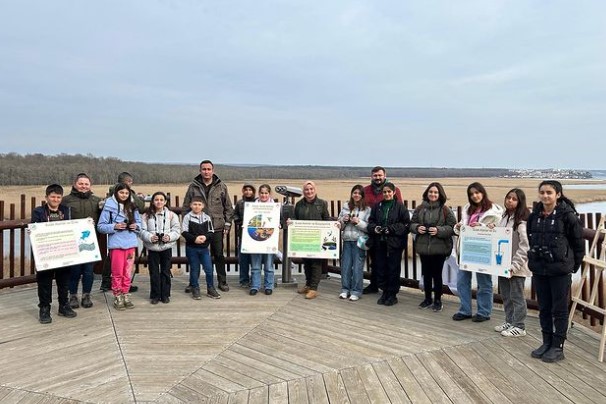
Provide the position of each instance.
(39, 169)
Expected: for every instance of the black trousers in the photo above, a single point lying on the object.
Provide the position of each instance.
(388, 265)
(313, 272)
(45, 285)
(159, 273)
(216, 250)
(431, 267)
(552, 296)
(374, 278)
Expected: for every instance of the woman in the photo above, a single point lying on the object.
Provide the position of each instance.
(433, 223)
(120, 220)
(160, 231)
(262, 260)
(354, 221)
(512, 289)
(388, 227)
(555, 235)
(480, 211)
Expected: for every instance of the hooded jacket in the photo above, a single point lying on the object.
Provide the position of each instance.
(83, 204)
(397, 220)
(351, 231)
(556, 241)
(217, 202)
(433, 214)
(112, 213)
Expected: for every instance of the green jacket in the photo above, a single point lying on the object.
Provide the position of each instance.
(434, 215)
(82, 205)
(217, 203)
(314, 210)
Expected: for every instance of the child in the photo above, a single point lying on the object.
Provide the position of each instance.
(512, 289)
(555, 235)
(264, 260)
(121, 221)
(248, 195)
(160, 230)
(354, 220)
(82, 204)
(53, 211)
(480, 211)
(197, 229)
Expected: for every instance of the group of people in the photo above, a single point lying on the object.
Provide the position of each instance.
(547, 243)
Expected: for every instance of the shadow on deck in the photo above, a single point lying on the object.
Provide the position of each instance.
(280, 348)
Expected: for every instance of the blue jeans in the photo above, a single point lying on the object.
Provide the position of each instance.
(195, 257)
(86, 272)
(484, 295)
(267, 260)
(352, 268)
(244, 262)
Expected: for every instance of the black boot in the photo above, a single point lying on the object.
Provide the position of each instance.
(556, 352)
(223, 286)
(45, 317)
(66, 311)
(540, 351)
(383, 298)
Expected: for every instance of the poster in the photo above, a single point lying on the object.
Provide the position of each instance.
(485, 250)
(314, 239)
(260, 228)
(63, 243)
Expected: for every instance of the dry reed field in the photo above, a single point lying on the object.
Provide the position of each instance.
(338, 189)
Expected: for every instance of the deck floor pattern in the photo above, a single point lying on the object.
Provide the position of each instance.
(278, 349)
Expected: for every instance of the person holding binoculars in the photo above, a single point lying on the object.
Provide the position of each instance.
(160, 230)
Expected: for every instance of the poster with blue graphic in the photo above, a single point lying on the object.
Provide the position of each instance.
(485, 250)
(260, 228)
(63, 243)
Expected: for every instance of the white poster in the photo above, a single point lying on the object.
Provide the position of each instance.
(314, 239)
(260, 228)
(63, 243)
(485, 250)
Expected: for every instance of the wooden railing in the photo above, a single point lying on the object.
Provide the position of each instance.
(18, 265)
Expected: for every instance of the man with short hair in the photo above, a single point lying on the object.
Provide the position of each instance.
(218, 206)
(373, 194)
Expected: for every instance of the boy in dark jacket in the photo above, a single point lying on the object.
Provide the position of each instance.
(248, 195)
(53, 211)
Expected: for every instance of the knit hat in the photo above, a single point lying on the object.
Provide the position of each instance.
(251, 186)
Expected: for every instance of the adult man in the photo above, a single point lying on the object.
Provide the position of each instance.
(218, 206)
(373, 194)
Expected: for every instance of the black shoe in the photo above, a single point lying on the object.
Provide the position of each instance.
(86, 302)
(212, 293)
(269, 291)
(45, 317)
(224, 287)
(369, 290)
(478, 318)
(66, 311)
(540, 351)
(166, 300)
(154, 301)
(425, 304)
(460, 316)
(554, 354)
(437, 305)
(253, 292)
(105, 288)
(133, 289)
(382, 299)
(391, 300)
(195, 293)
(188, 289)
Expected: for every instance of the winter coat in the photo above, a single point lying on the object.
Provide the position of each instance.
(217, 203)
(197, 225)
(433, 214)
(165, 222)
(239, 213)
(314, 210)
(519, 247)
(374, 195)
(351, 232)
(134, 198)
(112, 213)
(41, 213)
(491, 216)
(83, 204)
(556, 241)
(397, 223)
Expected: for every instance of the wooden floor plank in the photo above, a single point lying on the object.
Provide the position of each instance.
(430, 387)
(390, 383)
(297, 392)
(335, 388)
(374, 389)
(239, 397)
(259, 395)
(278, 393)
(316, 391)
(354, 385)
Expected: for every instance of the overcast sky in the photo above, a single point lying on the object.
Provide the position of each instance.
(515, 84)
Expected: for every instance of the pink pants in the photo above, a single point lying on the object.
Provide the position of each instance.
(122, 264)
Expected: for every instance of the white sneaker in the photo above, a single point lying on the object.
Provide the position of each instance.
(513, 332)
(343, 295)
(503, 327)
(354, 298)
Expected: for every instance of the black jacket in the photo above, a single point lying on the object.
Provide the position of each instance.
(556, 241)
(397, 225)
(41, 213)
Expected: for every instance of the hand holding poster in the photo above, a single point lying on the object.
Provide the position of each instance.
(314, 239)
(63, 243)
(485, 250)
(260, 228)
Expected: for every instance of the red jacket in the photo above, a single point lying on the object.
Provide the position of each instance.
(371, 199)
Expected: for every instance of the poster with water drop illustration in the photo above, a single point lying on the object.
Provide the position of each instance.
(486, 250)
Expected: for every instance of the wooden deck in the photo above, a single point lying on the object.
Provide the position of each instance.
(279, 349)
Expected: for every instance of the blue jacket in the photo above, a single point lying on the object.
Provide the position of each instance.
(112, 214)
(40, 214)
